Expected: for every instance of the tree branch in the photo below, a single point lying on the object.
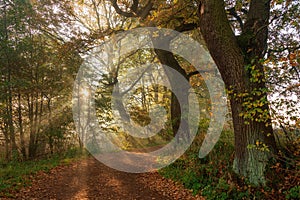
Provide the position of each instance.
(143, 13)
(135, 82)
(186, 27)
(233, 13)
(135, 12)
(221, 41)
(134, 6)
(120, 11)
(198, 72)
(256, 26)
(291, 87)
(283, 49)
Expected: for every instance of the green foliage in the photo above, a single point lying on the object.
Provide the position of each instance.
(191, 181)
(293, 193)
(37, 68)
(42, 66)
(213, 178)
(220, 192)
(202, 174)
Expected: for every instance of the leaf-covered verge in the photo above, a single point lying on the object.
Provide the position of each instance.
(14, 175)
(213, 177)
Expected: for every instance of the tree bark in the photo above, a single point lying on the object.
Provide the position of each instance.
(233, 56)
(21, 129)
(9, 87)
(32, 111)
(51, 128)
(167, 59)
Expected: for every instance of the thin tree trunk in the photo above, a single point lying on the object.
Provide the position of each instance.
(31, 147)
(7, 151)
(10, 121)
(79, 121)
(6, 137)
(179, 103)
(50, 136)
(12, 134)
(20, 120)
(39, 120)
(5, 99)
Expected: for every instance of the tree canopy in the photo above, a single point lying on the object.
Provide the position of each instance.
(254, 43)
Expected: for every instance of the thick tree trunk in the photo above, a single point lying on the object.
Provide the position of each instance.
(254, 139)
(251, 157)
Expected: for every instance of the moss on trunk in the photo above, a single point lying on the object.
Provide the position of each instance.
(254, 139)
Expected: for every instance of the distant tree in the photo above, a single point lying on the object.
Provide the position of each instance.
(37, 68)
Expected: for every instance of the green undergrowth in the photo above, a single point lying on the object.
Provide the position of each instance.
(15, 175)
(213, 177)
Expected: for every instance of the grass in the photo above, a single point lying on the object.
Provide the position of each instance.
(213, 177)
(15, 175)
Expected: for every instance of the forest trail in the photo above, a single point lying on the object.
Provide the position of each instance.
(89, 179)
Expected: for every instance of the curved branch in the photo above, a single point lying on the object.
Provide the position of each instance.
(120, 11)
(134, 6)
(233, 13)
(135, 12)
(135, 82)
(144, 12)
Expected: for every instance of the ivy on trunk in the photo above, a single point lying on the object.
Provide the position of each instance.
(239, 60)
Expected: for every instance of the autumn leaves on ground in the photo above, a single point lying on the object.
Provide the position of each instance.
(87, 178)
(254, 45)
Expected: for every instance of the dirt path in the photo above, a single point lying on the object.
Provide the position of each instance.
(90, 179)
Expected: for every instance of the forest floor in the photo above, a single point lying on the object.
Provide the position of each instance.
(89, 179)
